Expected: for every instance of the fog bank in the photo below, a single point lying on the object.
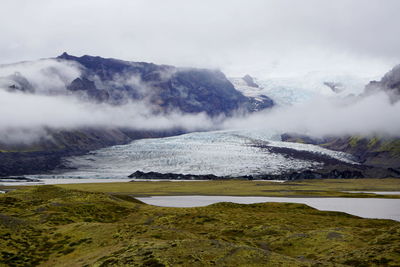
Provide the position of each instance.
(328, 116)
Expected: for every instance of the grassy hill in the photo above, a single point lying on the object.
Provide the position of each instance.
(54, 226)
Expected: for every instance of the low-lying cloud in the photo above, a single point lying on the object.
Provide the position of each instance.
(47, 76)
(28, 111)
(327, 116)
(25, 117)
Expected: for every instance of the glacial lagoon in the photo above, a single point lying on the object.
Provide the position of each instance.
(363, 207)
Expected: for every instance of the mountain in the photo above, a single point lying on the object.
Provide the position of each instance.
(381, 153)
(250, 81)
(293, 90)
(113, 82)
(166, 88)
(16, 82)
(390, 83)
(249, 88)
(46, 154)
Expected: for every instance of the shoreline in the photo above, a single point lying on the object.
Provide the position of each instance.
(383, 208)
(327, 188)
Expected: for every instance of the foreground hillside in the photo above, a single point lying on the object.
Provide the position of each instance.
(51, 226)
(300, 188)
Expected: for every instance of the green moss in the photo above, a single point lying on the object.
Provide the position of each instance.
(354, 140)
(99, 229)
(392, 146)
(373, 142)
(311, 188)
(299, 140)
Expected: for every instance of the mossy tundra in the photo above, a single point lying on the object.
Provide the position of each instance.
(303, 188)
(54, 226)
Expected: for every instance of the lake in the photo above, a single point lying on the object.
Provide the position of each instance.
(364, 207)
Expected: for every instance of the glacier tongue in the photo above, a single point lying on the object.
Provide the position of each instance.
(222, 153)
(286, 91)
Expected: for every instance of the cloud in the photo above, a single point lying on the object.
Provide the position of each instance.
(326, 116)
(22, 114)
(263, 37)
(47, 76)
(25, 117)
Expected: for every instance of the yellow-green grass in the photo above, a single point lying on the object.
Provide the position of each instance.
(54, 226)
(306, 188)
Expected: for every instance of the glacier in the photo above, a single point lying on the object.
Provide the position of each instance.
(286, 91)
(226, 152)
(222, 153)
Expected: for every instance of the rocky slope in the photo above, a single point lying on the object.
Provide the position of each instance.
(389, 83)
(46, 154)
(380, 154)
(113, 82)
(189, 90)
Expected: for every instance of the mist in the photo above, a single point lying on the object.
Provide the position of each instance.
(25, 117)
(328, 116)
(22, 115)
(47, 76)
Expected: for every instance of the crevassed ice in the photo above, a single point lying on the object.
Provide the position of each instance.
(299, 89)
(221, 153)
(273, 139)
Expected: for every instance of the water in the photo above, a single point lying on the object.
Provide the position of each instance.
(222, 153)
(376, 192)
(363, 207)
(54, 181)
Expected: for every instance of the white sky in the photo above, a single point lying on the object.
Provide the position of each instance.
(260, 37)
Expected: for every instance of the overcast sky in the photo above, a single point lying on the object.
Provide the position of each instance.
(259, 37)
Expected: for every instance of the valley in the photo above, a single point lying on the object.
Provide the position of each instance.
(199, 133)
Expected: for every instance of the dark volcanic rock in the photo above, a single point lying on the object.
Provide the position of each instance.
(197, 90)
(81, 84)
(379, 156)
(391, 80)
(390, 83)
(88, 87)
(335, 87)
(177, 176)
(259, 103)
(19, 83)
(48, 156)
(250, 81)
(189, 90)
(171, 176)
(20, 163)
(331, 172)
(115, 82)
(308, 174)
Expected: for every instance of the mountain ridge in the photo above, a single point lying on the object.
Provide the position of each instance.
(190, 90)
(117, 82)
